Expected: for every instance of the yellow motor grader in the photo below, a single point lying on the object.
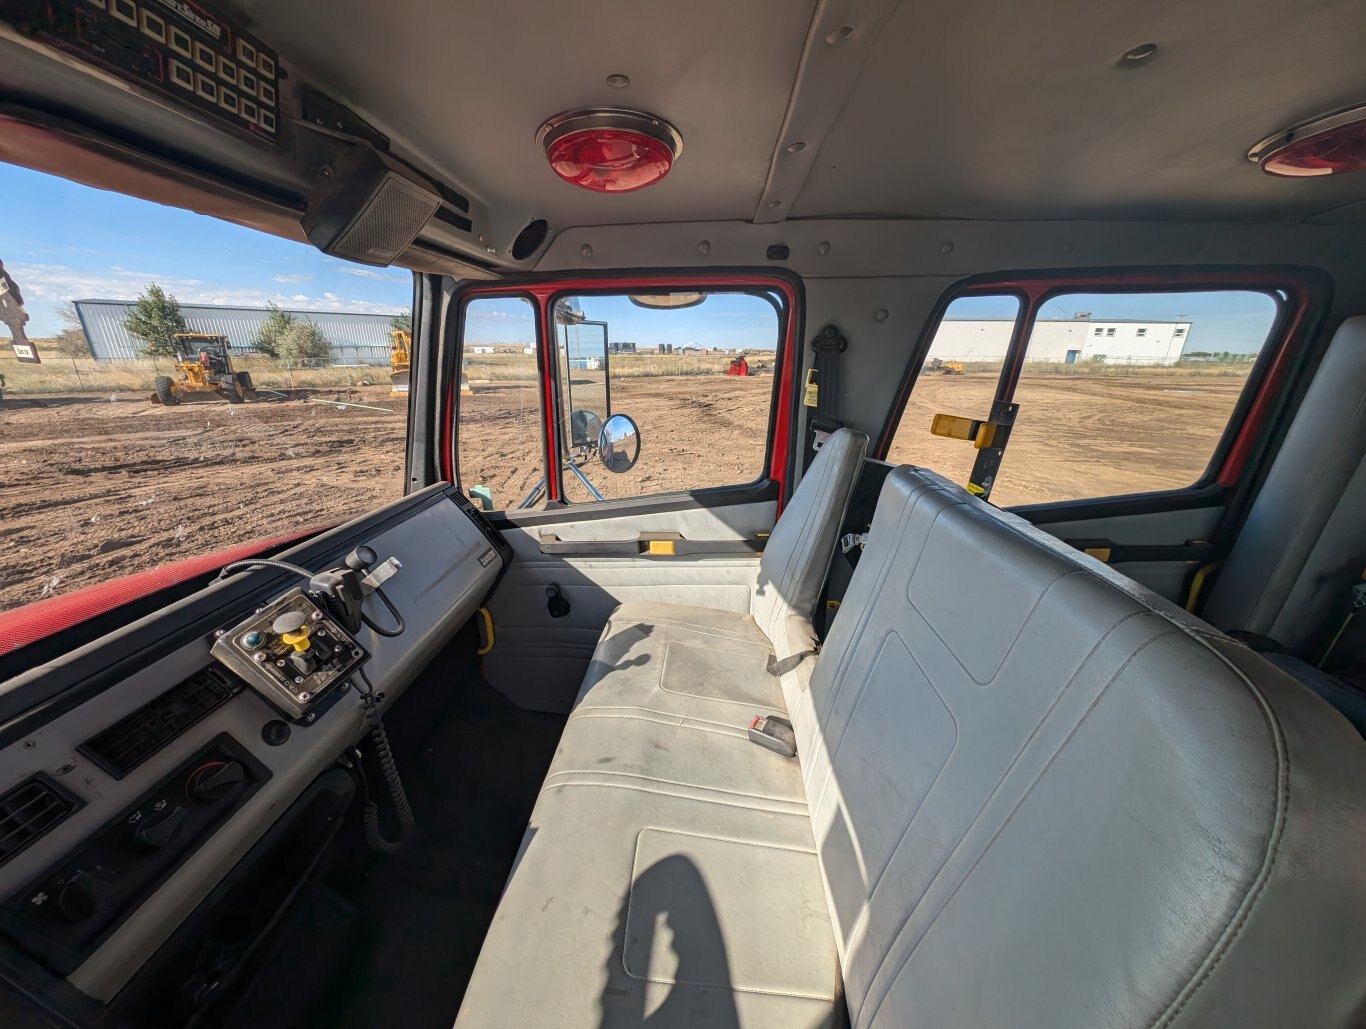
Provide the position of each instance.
(205, 372)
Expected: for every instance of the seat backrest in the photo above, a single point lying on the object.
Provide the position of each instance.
(1302, 545)
(797, 555)
(1043, 797)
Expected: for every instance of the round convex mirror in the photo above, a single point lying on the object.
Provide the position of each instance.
(619, 443)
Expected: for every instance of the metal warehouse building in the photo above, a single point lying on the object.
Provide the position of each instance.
(356, 338)
(1064, 342)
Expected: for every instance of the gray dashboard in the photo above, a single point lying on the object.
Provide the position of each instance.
(447, 571)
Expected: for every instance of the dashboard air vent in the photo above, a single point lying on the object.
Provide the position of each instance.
(133, 739)
(29, 810)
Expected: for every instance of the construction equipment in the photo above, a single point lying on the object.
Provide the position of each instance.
(400, 361)
(205, 366)
(935, 364)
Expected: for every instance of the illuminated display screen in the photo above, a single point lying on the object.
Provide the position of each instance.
(196, 59)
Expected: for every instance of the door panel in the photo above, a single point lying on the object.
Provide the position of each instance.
(538, 660)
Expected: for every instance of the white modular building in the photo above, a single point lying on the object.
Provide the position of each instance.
(1064, 342)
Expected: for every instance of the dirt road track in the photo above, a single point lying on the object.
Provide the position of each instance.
(93, 488)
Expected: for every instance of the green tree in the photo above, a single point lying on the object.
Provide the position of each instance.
(304, 341)
(275, 326)
(402, 322)
(71, 341)
(155, 319)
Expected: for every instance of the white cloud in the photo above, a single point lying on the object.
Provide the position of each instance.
(370, 273)
(54, 284)
(290, 278)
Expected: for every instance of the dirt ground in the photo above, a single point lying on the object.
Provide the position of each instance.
(99, 486)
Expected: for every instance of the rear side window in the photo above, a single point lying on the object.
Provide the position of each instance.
(1117, 393)
(1128, 393)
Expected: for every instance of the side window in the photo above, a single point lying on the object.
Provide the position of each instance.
(173, 386)
(694, 373)
(1138, 409)
(1118, 393)
(960, 375)
(500, 448)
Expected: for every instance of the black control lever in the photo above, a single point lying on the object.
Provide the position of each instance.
(340, 588)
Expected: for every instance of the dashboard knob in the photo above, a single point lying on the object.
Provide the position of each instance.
(81, 897)
(155, 832)
(217, 781)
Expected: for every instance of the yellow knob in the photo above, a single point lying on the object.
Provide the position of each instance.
(298, 639)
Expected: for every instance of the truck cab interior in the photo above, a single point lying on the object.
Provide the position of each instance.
(877, 537)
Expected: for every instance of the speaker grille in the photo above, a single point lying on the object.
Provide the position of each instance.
(389, 222)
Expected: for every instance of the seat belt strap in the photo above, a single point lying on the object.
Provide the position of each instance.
(823, 390)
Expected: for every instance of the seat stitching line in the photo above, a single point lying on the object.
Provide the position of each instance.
(608, 711)
(1234, 929)
(630, 897)
(1001, 828)
(671, 782)
(996, 788)
(677, 796)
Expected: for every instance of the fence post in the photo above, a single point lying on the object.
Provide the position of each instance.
(79, 384)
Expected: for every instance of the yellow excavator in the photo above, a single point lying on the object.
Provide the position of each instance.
(204, 364)
(400, 359)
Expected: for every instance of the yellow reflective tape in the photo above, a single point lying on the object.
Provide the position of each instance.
(488, 631)
(659, 548)
(1099, 553)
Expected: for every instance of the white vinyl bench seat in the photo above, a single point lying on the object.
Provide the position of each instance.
(1027, 793)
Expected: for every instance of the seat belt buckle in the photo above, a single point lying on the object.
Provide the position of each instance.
(774, 733)
(822, 429)
(851, 540)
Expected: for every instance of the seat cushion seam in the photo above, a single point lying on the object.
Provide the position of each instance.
(678, 796)
(1233, 931)
(669, 782)
(630, 898)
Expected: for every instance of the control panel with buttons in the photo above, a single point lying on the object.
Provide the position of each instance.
(62, 917)
(292, 653)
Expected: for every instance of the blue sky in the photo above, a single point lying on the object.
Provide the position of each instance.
(727, 320)
(1226, 320)
(63, 241)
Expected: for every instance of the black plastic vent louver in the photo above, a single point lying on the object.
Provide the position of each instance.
(133, 739)
(30, 810)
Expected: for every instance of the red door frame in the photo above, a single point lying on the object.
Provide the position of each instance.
(543, 290)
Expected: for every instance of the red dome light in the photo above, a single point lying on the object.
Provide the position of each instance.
(1331, 145)
(609, 149)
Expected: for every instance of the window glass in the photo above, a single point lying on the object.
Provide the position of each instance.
(198, 385)
(693, 371)
(1138, 409)
(501, 454)
(959, 377)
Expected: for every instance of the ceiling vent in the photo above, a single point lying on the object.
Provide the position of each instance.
(136, 737)
(29, 810)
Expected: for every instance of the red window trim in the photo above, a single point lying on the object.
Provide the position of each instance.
(1305, 295)
(543, 290)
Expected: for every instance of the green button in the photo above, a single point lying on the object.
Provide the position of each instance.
(253, 639)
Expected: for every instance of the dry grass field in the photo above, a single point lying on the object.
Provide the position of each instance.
(102, 483)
